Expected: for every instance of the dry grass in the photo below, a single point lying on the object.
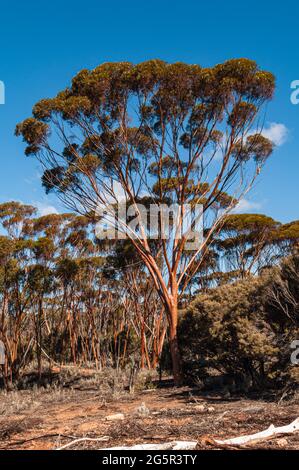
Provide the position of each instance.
(77, 403)
(28, 393)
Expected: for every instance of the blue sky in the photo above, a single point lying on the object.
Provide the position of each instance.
(43, 44)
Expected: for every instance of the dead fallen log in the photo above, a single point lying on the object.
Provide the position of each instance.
(269, 433)
(174, 445)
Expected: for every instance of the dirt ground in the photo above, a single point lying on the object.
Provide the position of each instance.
(47, 420)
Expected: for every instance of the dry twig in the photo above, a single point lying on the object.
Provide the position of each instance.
(82, 439)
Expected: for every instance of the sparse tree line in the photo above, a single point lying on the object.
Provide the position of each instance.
(67, 297)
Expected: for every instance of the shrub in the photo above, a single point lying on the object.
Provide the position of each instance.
(244, 329)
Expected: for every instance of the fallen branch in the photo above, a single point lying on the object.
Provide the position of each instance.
(174, 445)
(261, 436)
(93, 439)
(43, 436)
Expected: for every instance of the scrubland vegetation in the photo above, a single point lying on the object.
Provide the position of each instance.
(172, 335)
(70, 299)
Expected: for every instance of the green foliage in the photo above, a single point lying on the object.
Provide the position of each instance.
(40, 279)
(249, 242)
(242, 330)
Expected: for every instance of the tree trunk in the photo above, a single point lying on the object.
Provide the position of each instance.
(158, 340)
(174, 348)
(39, 338)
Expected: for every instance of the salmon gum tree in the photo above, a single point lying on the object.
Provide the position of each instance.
(167, 133)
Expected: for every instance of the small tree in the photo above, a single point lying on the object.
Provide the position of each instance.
(248, 243)
(166, 133)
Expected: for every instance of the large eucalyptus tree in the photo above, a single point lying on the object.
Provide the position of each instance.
(166, 133)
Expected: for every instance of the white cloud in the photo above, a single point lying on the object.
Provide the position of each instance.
(119, 192)
(276, 132)
(246, 206)
(45, 208)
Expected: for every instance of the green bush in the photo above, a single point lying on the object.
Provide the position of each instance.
(244, 330)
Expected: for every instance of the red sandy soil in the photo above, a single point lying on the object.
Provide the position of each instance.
(173, 414)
